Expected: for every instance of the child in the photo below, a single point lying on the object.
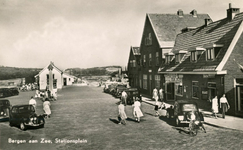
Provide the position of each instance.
(137, 111)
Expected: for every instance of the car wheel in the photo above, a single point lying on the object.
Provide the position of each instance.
(178, 122)
(10, 124)
(167, 115)
(22, 126)
(42, 126)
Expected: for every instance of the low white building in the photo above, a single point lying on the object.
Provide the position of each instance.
(59, 78)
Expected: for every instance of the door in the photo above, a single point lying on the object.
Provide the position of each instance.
(170, 91)
(211, 93)
(64, 81)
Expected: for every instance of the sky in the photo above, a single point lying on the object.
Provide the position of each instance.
(84, 33)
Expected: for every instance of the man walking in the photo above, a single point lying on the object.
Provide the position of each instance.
(32, 101)
(224, 105)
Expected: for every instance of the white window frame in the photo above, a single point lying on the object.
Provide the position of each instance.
(210, 54)
(193, 56)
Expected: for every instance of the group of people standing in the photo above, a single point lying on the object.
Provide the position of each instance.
(46, 106)
(51, 95)
(223, 104)
(158, 96)
(137, 113)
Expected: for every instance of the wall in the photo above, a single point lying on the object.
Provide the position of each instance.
(43, 78)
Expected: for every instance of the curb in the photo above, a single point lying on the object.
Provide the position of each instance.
(224, 124)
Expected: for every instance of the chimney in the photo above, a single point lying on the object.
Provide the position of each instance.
(231, 12)
(207, 21)
(194, 13)
(180, 13)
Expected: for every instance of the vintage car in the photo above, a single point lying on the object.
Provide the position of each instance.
(107, 87)
(4, 109)
(24, 116)
(14, 91)
(132, 94)
(118, 90)
(180, 111)
(8, 91)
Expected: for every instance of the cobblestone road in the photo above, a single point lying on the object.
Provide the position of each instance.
(90, 116)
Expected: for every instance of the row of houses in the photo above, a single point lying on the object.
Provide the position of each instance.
(51, 77)
(191, 57)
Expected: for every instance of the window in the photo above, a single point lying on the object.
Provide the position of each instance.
(47, 79)
(179, 89)
(134, 63)
(222, 81)
(157, 59)
(140, 81)
(148, 40)
(194, 56)
(195, 89)
(212, 53)
(168, 59)
(157, 80)
(178, 57)
(144, 60)
(150, 59)
(145, 78)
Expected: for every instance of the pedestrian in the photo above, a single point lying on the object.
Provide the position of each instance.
(224, 105)
(155, 97)
(155, 94)
(32, 101)
(161, 96)
(121, 113)
(215, 106)
(137, 113)
(46, 107)
(124, 98)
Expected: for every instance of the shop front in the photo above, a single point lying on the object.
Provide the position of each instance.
(173, 86)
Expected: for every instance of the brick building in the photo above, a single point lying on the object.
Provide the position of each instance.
(133, 66)
(158, 38)
(204, 62)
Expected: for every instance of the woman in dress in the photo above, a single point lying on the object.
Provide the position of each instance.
(46, 107)
(136, 110)
(121, 113)
(215, 105)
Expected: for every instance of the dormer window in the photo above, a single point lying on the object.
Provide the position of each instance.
(212, 51)
(179, 55)
(169, 57)
(196, 53)
(148, 40)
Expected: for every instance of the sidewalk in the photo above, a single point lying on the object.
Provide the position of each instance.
(229, 121)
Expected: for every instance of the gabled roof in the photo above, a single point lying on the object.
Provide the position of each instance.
(136, 51)
(52, 64)
(167, 26)
(222, 32)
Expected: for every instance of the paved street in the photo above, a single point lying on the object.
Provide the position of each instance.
(89, 116)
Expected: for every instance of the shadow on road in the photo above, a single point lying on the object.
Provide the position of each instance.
(114, 121)
(149, 114)
(169, 121)
(130, 119)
